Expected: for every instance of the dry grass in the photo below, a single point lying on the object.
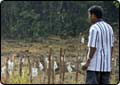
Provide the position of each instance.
(72, 50)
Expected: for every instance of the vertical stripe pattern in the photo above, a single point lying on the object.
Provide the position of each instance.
(101, 37)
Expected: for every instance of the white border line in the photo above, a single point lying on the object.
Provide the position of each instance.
(118, 83)
(118, 1)
(1, 83)
(1, 1)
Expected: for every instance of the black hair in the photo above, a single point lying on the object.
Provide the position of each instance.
(96, 10)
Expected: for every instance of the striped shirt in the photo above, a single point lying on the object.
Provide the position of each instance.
(101, 37)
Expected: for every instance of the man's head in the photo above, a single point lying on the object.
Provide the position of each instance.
(94, 13)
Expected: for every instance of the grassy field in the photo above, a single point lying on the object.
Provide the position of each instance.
(41, 49)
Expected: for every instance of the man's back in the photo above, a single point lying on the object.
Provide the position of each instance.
(101, 36)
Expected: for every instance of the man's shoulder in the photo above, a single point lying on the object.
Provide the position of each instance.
(93, 27)
(108, 25)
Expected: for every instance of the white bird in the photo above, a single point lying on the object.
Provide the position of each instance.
(69, 68)
(40, 66)
(23, 59)
(73, 66)
(34, 72)
(82, 40)
(55, 65)
(8, 61)
(3, 70)
(10, 66)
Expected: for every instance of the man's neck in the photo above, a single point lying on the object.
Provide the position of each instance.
(98, 20)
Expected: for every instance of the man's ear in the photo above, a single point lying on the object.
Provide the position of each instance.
(94, 16)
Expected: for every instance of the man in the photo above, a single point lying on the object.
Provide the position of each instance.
(100, 43)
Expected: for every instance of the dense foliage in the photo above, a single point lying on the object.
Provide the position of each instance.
(35, 19)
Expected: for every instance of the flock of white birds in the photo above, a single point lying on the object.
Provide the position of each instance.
(34, 70)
